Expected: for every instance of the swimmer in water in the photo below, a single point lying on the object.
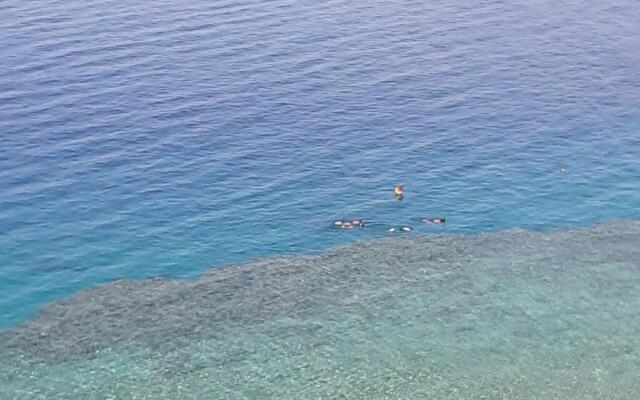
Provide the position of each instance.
(356, 223)
(400, 229)
(347, 225)
(398, 191)
(436, 221)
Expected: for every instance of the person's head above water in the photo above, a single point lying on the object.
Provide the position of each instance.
(398, 191)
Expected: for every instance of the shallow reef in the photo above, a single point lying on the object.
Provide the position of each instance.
(515, 315)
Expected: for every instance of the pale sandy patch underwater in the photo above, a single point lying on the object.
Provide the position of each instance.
(514, 315)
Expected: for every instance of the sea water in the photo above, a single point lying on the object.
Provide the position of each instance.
(164, 139)
(513, 315)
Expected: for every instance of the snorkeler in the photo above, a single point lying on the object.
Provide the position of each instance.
(436, 221)
(356, 223)
(400, 229)
(398, 191)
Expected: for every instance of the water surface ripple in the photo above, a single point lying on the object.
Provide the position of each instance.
(160, 139)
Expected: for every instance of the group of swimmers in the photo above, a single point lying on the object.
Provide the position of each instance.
(398, 192)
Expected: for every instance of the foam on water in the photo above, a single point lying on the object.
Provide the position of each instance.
(514, 315)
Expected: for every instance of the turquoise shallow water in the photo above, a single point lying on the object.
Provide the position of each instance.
(513, 315)
(160, 140)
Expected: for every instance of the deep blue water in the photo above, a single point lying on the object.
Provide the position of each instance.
(145, 139)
